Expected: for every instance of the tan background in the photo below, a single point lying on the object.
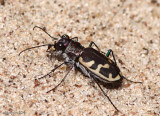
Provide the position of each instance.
(131, 28)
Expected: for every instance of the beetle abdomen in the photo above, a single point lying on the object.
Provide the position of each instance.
(100, 65)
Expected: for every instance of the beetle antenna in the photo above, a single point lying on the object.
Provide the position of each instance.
(35, 47)
(43, 29)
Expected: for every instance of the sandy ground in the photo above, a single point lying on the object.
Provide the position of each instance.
(131, 28)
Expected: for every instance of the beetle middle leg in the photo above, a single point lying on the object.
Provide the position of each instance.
(92, 43)
(74, 38)
(52, 70)
(61, 81)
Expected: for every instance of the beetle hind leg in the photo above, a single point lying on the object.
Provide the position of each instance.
(95, 80)
(108, 53)
(130, 80)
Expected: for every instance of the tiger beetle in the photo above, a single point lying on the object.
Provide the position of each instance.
(91, 62)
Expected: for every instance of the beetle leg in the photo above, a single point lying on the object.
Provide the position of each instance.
(130, 80)
(91, 43)
(52, 70)
(105, 94)
(61, 81)
(74, 38)
(108, 53)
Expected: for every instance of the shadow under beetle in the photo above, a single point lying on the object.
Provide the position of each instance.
(92, 63)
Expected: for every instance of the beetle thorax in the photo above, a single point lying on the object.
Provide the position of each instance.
(72, 51)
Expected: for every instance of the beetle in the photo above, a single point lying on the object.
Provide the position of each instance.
(93, 63)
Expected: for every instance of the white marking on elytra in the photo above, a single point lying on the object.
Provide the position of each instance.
(97, 71)
(88, 64)
(110, 75)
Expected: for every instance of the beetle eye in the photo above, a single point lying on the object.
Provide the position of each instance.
(65, 37)
(59, 46)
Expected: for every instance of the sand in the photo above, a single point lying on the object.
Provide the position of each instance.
(131, 28)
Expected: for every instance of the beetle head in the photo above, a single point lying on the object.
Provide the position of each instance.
(61, 44)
